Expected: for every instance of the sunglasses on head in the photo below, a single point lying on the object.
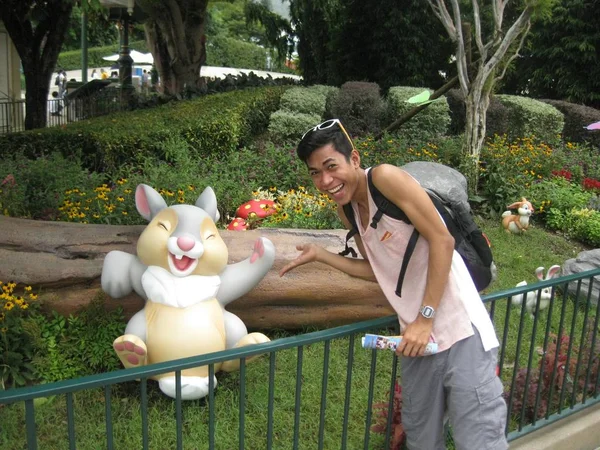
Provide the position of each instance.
(328, 124)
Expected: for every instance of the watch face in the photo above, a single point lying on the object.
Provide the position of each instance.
(427, 311)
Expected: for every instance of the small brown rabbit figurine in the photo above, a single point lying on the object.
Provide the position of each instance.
(517, 223)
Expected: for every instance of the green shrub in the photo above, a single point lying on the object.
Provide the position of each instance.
(211, 124)
(226, 51)
(286, 125)
(432, 122)
(304, 100)
(78, 345)
(577, 117)
(38, 184)
(556, 193)
(359, 106)
(580, 224)
(580, 159)
(529, 117)
(71, 60)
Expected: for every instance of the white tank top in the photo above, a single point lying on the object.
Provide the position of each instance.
(460, 305)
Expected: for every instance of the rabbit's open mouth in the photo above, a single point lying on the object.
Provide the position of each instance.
(182, 265)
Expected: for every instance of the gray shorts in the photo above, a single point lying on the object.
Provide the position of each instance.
(461, 382)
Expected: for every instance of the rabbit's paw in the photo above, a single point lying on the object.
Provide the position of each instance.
(253, 338)
(192, 388)
(258, 251)
(249, 339)
(131, 350)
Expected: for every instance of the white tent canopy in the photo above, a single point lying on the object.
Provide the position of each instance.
(139, 58)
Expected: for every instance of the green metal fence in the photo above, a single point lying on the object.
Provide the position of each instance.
(316, 390)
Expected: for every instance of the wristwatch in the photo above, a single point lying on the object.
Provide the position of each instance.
(427, 311)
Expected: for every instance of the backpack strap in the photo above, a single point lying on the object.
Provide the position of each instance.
(412, 242)
(349, 212)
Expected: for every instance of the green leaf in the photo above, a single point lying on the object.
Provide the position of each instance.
(421, 98)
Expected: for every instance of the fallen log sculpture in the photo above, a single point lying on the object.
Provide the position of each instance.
(64, 262)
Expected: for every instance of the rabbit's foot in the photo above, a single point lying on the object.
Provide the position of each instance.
(249, 339)
(192, 388)
(131, 350)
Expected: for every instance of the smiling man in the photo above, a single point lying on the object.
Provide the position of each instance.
(439, 301)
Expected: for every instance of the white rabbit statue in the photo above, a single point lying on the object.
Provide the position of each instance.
(532, 296)
(181, 270)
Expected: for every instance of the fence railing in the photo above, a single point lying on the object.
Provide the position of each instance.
(320, 389)
(61, 111)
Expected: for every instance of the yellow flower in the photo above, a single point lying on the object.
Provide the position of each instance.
(9, 305)
(124, 213)
(3, 330)
(24, 306)
(28, 288)
(33, 296)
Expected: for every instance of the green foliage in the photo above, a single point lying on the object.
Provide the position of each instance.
(580, 224)
(16, 345)
(100, 30)
(392, 43)
(359, 106)
(78, 345)
(557, 193)
(37, 184)
(577, 117)
(508, 169)
(430, 123)
(212, 124)
(286, 125)
(560, 59)
(303, 208)
(304, 100)
(71, 59)
(227, 18)
(529, 117)
(227, 51)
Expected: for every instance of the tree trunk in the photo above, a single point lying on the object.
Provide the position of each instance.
(38, 48)
(176, 36)
(476, 102)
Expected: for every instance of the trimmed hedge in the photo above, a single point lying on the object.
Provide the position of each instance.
(304, 100)
(71, 60)
(529, 117)
(214, 124)
(221, 51)
(577, 117)
(288, 125)
(359, 105)
(433, 121)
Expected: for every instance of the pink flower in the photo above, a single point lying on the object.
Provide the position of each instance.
(9, 180)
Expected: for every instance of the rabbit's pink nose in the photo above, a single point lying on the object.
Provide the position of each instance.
(185, 243)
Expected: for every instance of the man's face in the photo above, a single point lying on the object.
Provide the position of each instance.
(333, 174)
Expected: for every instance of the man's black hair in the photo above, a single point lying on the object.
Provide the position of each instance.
(316, 139)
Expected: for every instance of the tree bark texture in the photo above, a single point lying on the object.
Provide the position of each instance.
(176, 35)
(37, 33)
(63, 262)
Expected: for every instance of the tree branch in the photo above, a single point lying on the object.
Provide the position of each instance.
(512, 33)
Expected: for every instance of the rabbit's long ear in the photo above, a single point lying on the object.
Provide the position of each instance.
(539, 273)
(208, 202)
(515, 205)
(148, 202)
(553, 272)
